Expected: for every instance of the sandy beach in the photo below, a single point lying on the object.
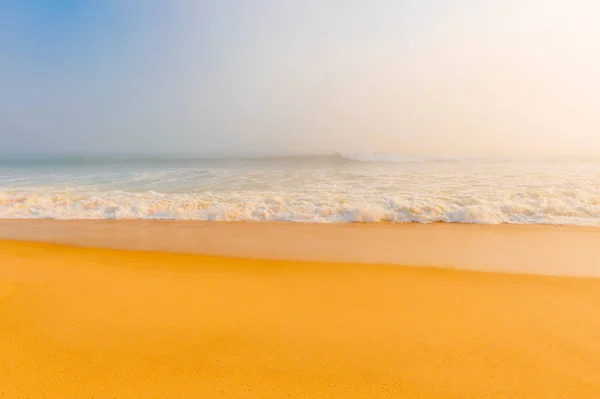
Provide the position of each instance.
(192, 320)
(299, 199)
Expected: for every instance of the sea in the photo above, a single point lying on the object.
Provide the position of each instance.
(328, 188)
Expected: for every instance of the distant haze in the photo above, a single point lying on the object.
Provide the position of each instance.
(300, 76)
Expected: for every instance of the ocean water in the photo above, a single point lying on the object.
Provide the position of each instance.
(323, 189)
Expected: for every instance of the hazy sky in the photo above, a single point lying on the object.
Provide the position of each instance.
(404, 76)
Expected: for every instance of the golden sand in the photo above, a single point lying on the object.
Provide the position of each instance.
(100, 323)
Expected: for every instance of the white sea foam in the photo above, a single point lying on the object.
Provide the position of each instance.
(371, 188)
(534, 207)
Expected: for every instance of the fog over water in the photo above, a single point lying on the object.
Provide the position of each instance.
(466, 111)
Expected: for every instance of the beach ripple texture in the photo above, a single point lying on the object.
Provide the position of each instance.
(322, 189)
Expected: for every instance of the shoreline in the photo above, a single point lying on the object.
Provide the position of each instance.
(506, 248)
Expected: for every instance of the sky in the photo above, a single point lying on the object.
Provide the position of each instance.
(445, 77)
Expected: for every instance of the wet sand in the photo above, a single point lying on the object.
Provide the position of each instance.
(534, 249)
(89, 322)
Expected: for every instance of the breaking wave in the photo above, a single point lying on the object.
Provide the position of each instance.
(533, 207)
(360, 187)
